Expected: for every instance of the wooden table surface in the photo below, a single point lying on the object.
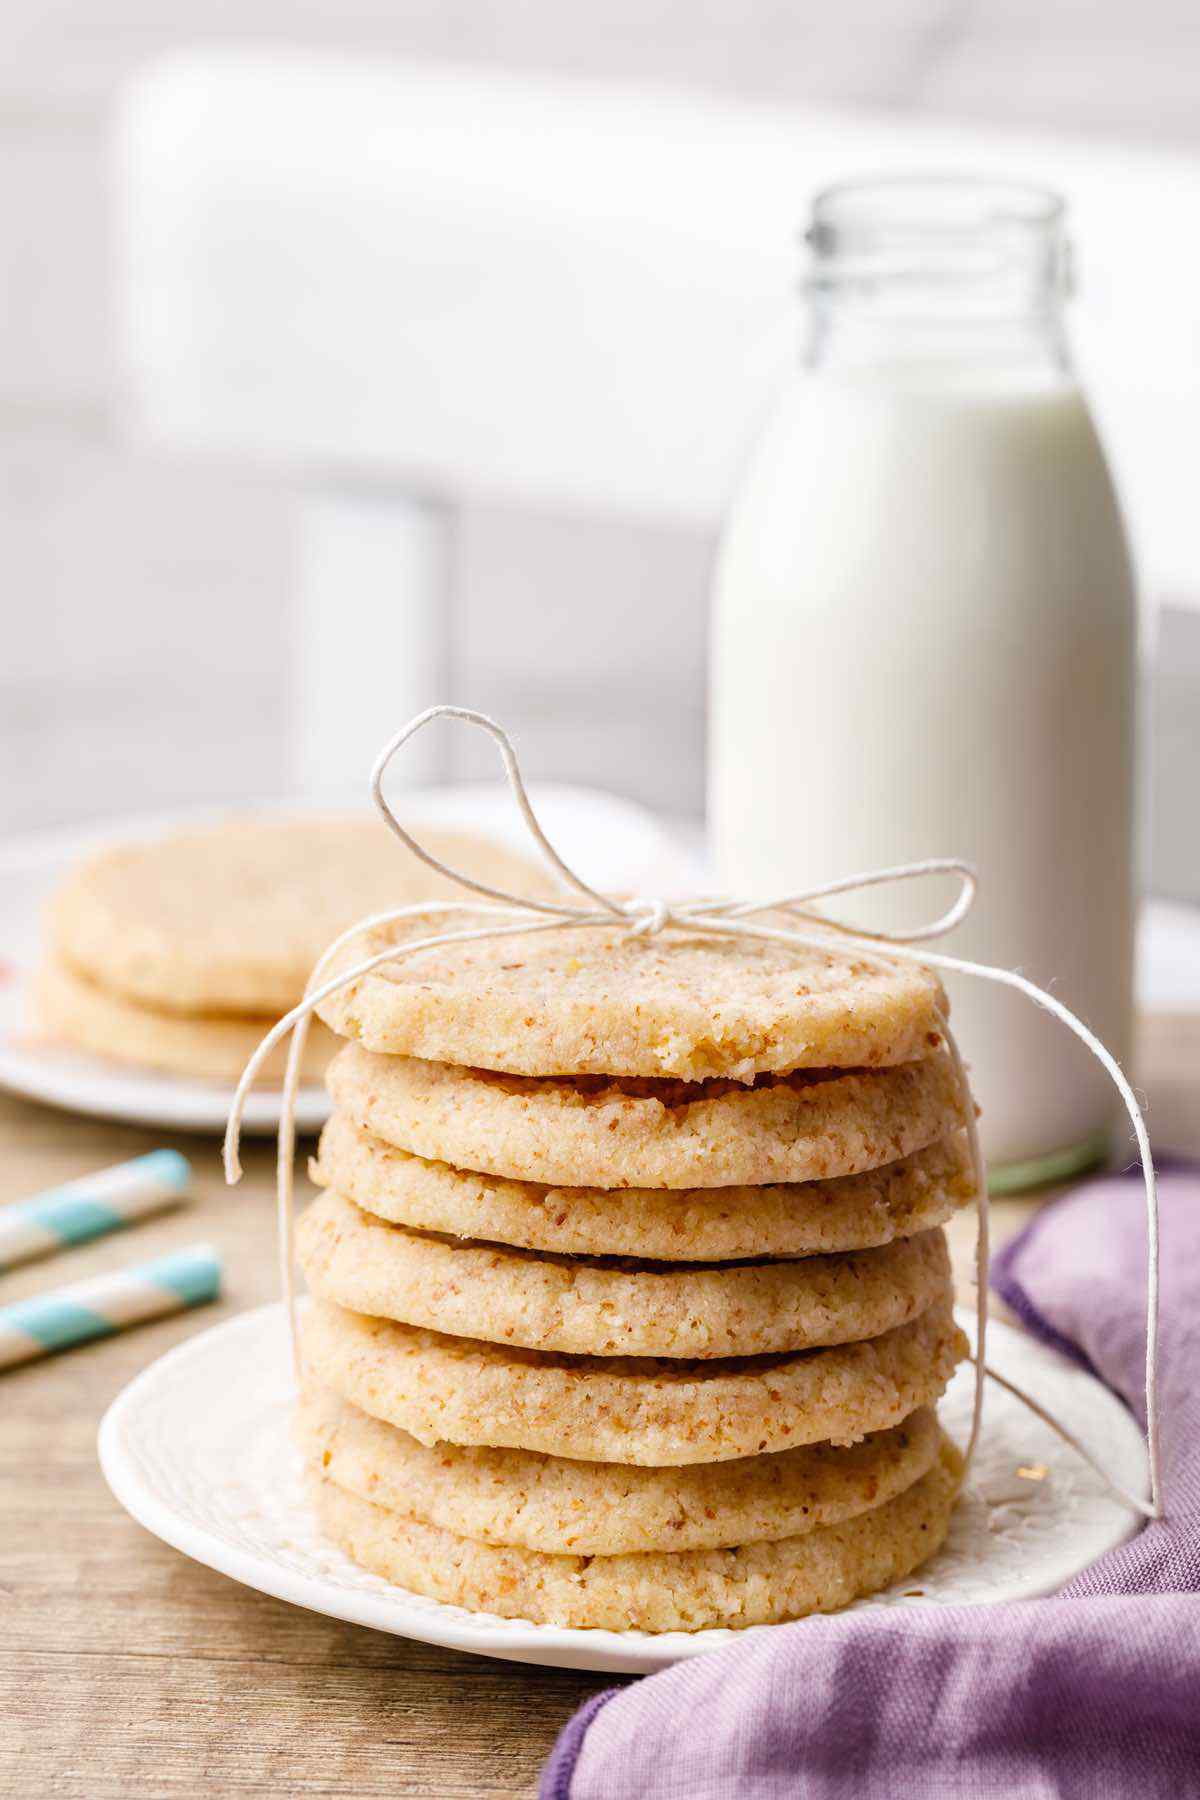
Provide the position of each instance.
(126, 1670)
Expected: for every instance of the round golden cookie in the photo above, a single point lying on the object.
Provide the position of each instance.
(854, 1212)
(566, 1508)
(73, 1010)
(628, 1409)
(610, 1306)
(232, 917)
(593, 1131)
(602, 1001)
(689, 1590)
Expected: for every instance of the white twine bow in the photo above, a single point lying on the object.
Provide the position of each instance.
(513, 915)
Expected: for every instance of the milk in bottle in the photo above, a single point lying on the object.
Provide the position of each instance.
(924, 634)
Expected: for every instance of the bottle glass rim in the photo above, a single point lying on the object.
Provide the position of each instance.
(933, 207)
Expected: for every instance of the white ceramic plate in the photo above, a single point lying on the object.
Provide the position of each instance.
(198, 1449)
(613, 842)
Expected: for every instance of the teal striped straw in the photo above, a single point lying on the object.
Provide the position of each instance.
(107, 1304)
(82, 1210)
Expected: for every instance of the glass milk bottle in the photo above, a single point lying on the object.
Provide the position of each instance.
(924, 634)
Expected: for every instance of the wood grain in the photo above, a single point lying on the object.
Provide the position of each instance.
(126, 1670)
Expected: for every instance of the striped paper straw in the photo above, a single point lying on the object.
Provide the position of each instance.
(107, 1304)
(81, 1210)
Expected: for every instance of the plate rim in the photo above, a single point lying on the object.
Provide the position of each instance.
(593, 1648)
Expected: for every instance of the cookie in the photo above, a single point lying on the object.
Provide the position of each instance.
(600, 1001)
(612, 1306)
(689, 1590)
(72, 1010)
(565, 1508)
(596, 1131)
(231, 918)
(854, 1212)
(628, 1409)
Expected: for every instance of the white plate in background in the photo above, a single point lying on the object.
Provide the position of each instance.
(198, 1448)
(613, 843)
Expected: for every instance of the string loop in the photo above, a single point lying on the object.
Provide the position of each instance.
(512, 915)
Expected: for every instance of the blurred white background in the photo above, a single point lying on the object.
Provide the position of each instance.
(151, 598)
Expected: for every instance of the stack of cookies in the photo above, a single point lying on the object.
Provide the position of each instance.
(631, 1302)
(179, 953)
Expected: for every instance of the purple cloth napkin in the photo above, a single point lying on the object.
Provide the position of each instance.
(1094, 1692)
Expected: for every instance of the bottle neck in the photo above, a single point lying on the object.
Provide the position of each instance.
(938, 276)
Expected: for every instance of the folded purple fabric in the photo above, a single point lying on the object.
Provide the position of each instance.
(1094, 1692)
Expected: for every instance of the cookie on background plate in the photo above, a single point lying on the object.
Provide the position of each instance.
(74, 1010)
(231, 918)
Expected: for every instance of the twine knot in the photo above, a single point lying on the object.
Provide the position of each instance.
(649, 916)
